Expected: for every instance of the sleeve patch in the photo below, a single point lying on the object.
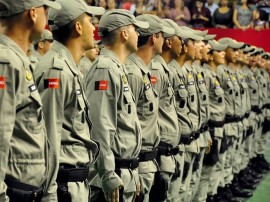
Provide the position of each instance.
(101, 85)
(52, 83)
(153, 80)
(2, 82)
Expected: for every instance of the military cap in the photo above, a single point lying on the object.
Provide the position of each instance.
(117, 18)
(248, 48)
(266, 56)
(197, 32)
(256, 51)
(46, 35)
(70, 10)
(13, 7)
(215, 45)
(209, 37)
(231, 43)
(155, 25)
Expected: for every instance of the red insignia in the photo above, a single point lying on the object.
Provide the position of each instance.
(153, 80)
(101, 85)
(52, 83)
(2, 82)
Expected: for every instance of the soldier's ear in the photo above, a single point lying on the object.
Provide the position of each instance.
(168, 42)
(124, 34)
(33, 14)
(40, 44)
(78, 27)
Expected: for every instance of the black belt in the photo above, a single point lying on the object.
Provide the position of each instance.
(67, 173)
(187, 139)
(247, 115)
(215, 124)
(126, 163)
(18, 191)
(266, 106)
(256, 109)
(148, 155)
(167, 149)
(204, 127)
(231, 119)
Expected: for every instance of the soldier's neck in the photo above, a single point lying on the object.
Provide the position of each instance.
(121, 51)
(75, 50)
(213, 65)
(167, 57)
(145, 54)
(181, 60)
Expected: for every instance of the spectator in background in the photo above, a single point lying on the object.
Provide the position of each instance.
(127, 4)
(91, 2)
(211, 5)
(179, 13)
(242, 16)
(223, 16)
(102, 3)
(160, 8)
(138, 8)
(258, 23)
(201, 16)
(111, 5)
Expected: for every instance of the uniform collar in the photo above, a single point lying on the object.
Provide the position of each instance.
(138, 61)
(14, 46)
(161, 61)
(187, 67)
(177, 67)
(65, 54)
(210, 69)
(111, 55)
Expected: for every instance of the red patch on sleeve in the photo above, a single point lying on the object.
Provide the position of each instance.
(52, 83)
(2, 82)
(153, 80)
(101, 85)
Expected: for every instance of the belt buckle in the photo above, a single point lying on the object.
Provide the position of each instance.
(134, 163)
(38, 194)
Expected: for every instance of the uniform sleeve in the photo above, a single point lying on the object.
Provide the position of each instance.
(9, 82)
(53, 99)
(158, 85)
(136, 86)
(102, 91)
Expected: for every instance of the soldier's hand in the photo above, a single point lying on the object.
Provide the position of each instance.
(113, 196)
(208, 148)
(138, 192)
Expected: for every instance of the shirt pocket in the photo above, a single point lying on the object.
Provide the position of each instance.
(169, 99)
(127, 104)
(149, 104)
(229, 88)
(203, 94)
(219, 95)
(79, 114)
(191, 93)
(35, 115)
(244, 87)
(182, 96)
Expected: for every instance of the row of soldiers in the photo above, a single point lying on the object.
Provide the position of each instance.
(164, 113)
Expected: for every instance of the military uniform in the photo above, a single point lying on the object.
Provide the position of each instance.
(162, 80)
(146, 100)
(85, 64)
(115, 125)
(216, 123)
(67, 117)
(24, 146)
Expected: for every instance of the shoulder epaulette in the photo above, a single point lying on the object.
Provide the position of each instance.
(4, 56)
(155, 64)
(103, 62)
(58, 62)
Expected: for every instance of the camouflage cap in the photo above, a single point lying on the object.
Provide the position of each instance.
(231, 43)
(12, 7)
(117, 18)
(70, 10)
(155, 25)
(209, 37)
(215, 45)
(46, 35)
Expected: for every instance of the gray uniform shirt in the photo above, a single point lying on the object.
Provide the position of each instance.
(66, 109)
(23, 137)
(115, 121)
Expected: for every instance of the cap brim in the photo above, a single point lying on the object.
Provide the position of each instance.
(141, 24)
(209, 37)
(217, 46)
(94, 10)
(236, 45)
(168, 30)
(52, 4)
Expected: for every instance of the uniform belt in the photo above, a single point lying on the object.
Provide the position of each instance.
(187, 139)
(247, 115)
(126, 163)
(256, 109)
(148, 155)
(266, 106)
(204, 127)
(18, 191)
(215, 124)
(167, 149)
(231, 119)
(67, 173)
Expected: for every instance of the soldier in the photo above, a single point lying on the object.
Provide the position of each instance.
(233, 122)
(161, 79)
(66, 109)
(182, 71)
(216, 120)
(150, 44)
(115, 122)
(24, 161)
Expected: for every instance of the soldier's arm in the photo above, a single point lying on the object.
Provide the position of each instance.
(52, 87)
(102, 90)
(9, 82)
(136, 86)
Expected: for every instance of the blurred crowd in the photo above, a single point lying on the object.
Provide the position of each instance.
(242, 14)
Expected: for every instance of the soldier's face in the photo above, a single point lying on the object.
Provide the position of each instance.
(205, 51)
(219, 57)
(176, 46)
(87, 32)
(40, 21)
(230, 55)
(132, 40)
(159, 42)
(198, 50)
(191, 49)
